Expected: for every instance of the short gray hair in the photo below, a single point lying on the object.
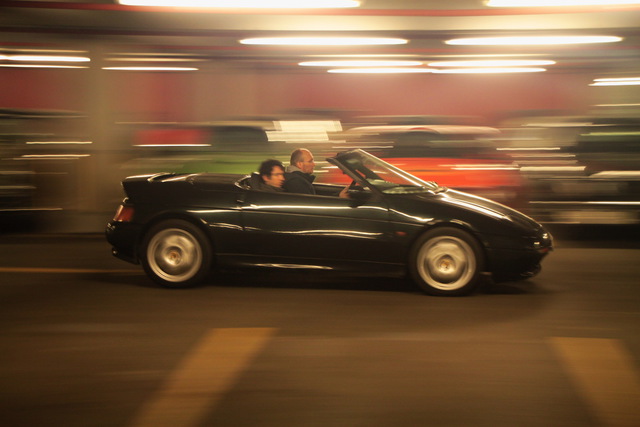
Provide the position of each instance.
(298, 155)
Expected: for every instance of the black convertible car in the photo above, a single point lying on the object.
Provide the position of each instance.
(181, 227)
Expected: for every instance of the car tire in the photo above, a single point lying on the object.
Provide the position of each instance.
(446, 261)
(176, 254)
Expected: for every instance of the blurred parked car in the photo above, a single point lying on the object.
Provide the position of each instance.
(38, 160)
(581, 170)
(236, 145)
(17, 183)
(448, 150)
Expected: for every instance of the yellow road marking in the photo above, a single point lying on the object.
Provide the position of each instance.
(61, 270)
(202, 378)
(606, 377)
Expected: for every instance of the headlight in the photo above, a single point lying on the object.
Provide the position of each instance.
(543, 242)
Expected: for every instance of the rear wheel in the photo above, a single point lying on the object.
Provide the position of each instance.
(446, 261)
(176, 254)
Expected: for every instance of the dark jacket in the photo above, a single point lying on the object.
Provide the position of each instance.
(299, 182)
(257, 183)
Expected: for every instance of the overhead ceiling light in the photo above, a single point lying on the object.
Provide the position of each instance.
(617, 105)
(58, 142)
(622, 81)
(44, 58)
(41, 51)
(363, 56)
(323, 41)
(489, 70)
(380, 70)
(151, 59)
(487, 56)
(360, 63)
(492, 63)
(617, 79)
(532, 40)
(170, 145)
(40, 66)
(243, 4)
(151, 68)
(552, 3)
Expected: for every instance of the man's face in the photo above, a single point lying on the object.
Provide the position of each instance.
(275, 178)
(307, 164)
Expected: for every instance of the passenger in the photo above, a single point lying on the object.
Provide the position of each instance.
(270, 176)
(299, 178)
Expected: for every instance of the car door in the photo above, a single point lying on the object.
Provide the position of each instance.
(315, 230)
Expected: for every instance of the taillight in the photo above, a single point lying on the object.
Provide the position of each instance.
(123, 214)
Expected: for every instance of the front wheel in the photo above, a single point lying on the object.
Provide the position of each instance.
(176, 254)
(446, 261)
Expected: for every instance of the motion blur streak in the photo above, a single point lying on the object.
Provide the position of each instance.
(604, 373)
(202, 377)
(65, 270)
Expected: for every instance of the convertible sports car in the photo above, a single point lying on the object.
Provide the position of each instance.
(182, 227)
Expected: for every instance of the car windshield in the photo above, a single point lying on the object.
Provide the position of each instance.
(383, 176)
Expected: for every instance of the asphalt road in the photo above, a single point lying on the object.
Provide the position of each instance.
(87, 340)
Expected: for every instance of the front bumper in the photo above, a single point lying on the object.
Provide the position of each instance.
(509, 263)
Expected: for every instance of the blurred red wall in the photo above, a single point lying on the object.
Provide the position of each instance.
(162, 96)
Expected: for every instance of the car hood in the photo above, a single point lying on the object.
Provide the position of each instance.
(483, 206)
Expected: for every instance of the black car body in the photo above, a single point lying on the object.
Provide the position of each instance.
(181, 226)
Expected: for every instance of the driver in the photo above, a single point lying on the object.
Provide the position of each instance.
(298, 177)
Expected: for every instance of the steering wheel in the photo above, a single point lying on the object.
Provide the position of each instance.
(354, 185)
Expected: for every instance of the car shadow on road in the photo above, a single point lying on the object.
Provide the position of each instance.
(310, 280)
(322, 280)
(525, 287)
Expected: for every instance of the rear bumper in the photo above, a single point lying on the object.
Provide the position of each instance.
(124, 238)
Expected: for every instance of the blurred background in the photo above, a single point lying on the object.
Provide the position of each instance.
(536, 107)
